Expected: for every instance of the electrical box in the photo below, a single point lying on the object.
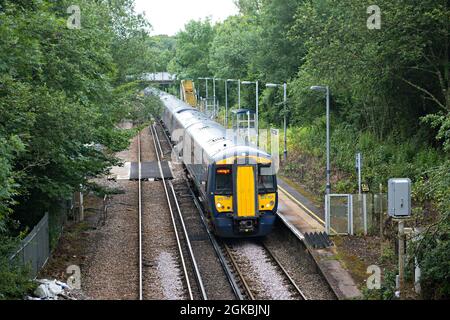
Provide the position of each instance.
(399, 197)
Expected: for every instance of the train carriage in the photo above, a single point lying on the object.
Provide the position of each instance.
(236, 183)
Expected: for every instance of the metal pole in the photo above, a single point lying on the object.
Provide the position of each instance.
(206, 104)
(285, 120)
(359, 167)
(214, 93)
(239, 93)
(226, 104)
(248, 127)
(257, 113)
(328, 143)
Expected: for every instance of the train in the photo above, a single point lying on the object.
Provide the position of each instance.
(235, 182)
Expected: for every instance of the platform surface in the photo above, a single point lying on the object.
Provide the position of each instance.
(302, 216)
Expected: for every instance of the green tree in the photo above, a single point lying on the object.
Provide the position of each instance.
(192, 50)
(233, 48)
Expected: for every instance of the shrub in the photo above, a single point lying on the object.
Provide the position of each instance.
(15, 280)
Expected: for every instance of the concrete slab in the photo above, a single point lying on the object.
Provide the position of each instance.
(121, 173)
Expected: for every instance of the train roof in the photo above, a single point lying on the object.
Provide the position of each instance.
(217, 142)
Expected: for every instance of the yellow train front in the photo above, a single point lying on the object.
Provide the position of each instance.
(236, 183)
(243, 196)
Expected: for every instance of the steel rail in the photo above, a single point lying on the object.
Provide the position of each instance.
(159, 145)
(188, 242)
(222, 259)
(228, 272)
(299, 291)
(241, 276)
(188, 284)
(216, 246)
(165, 134)
(186, 235)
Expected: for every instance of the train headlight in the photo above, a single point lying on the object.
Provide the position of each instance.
(270, 205)
(219, 206)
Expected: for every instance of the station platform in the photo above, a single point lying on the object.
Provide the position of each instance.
(302, 217)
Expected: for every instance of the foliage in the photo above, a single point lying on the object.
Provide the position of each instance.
(14, 279)
(434, 259)
(387, 290)
(62, 93)
(233, 48)
(390, 90)
(192, 50)
(433, 246)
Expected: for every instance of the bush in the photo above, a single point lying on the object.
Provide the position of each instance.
(392, 157)
(15, 280)
(387, 290)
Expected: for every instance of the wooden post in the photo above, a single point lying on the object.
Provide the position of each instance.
(81, 207)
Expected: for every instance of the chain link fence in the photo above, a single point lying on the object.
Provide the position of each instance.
(34, 250)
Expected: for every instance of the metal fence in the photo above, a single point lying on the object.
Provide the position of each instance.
(34, 250)
(355, 214)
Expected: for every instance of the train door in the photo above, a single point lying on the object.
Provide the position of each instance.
(245, 191)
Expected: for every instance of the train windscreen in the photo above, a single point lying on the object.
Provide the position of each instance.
(224, 180)
(266, 183)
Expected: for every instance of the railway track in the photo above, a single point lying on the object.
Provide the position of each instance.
(252, 292)
(192, 278)
(232, 268)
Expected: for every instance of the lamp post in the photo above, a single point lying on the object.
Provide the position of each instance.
(226, 104)
(214, 95)
(284, 85)
(326, 89)
(214, 90)
(226, 100)
(239, 96)
(256, 83)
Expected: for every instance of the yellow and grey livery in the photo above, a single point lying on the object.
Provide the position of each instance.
(236, 183)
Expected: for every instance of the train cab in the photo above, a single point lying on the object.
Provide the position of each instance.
(243, 197)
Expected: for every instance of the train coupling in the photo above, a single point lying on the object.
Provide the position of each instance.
(247, 226)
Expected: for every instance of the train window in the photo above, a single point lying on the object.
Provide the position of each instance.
(266, 183)
(224, 180)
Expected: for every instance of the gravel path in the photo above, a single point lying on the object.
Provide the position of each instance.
(112, 272)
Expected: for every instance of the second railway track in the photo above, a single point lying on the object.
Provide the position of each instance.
(238, 281)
